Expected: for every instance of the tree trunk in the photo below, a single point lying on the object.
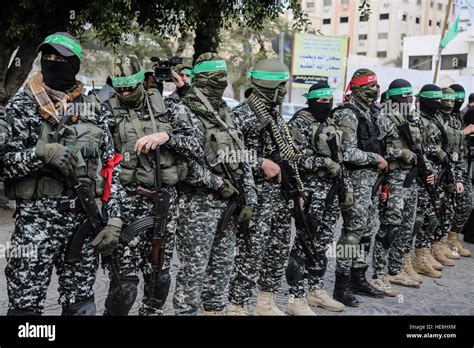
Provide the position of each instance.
(207, 34)
(15, 74)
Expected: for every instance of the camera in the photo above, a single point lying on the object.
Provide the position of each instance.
(162, 67)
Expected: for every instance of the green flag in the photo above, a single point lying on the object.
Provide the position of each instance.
(451, 34)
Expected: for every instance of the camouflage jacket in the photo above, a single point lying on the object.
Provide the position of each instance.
(347, 121)
(199, 174)
(21, 160)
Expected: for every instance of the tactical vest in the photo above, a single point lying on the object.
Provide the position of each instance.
(85, 138)
(431, 133)
(455, 143)
(320, 132)
(222, 139)
(367, 131)
(401, 143)
(131, 127)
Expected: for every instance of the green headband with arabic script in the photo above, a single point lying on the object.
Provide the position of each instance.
(128, 81)
(209, 65)
(319, 93)
(400, 91)
(269, 75)
(431, 94)
(460, 95)
(66, 42)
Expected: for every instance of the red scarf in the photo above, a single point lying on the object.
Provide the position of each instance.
(106, 172)
(360, 81)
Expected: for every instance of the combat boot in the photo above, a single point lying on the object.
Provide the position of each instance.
(320, 298)
(408, 268)
(266, 304)
(361, 286)
(298, 306)
(237, 310)
(439, 255)
(381, 283)
(422, 265)
(212, 313)
(343, 290)
(401, 278)
(434, 263)
(454, 243)
(448, 252)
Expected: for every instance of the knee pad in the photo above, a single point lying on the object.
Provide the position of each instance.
(295, 270)
(433, 223)
(120, 299)
(161, 290)
(82, 307)
(365, 243)
(419, 219)
(22, 312)
(349, 239)
(391, 232)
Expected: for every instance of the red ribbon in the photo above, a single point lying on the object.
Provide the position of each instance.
(360, 81)
(106, 172)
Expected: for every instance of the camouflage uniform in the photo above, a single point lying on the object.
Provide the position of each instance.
(318, 184)
(206, 253)
(426, 213)
(359, 219)
(41, 224)
(136, 255)
(462, 201)
(267, 247)
(397, 214)
(5, 132)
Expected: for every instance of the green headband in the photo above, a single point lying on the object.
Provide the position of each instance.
(66, 42)
(431, 94)
(188, 72)
(460, 95)
(209, 65)
(269, 75)
(319, 93)
(449, 96)
(128, 81)
(399, 91)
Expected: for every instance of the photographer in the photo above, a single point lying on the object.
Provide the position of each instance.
(151, 82)
(181, 78)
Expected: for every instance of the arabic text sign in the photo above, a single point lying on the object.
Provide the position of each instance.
(317, 58)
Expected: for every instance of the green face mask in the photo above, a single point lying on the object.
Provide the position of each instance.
(447, 106)
(212, 84)
(272, 95)
(135, 99)
(365, 95)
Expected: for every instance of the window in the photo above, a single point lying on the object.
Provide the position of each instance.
(438, 24)
(310, 6)
(403, 36)
(420, 62)
(362, 36)
(417, 20)
(430, 22)
(431, 4)
(382, 54)
(363, 19)
(361, 53)
(344, 19)
(440, 7)
(344, 2)
(383, 35)
(404, 17)
(418, 2)
(384, 16)
(326, 20)
(453, 62)
(327, 3)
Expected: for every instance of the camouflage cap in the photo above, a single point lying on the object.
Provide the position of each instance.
(125, 71)
(448, 93)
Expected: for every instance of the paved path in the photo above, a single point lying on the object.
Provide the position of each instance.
(450, 295)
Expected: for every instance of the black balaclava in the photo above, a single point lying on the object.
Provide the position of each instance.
(320, 111)
(403, 104)
(60, 76)
(430, 105)
(458, 101)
